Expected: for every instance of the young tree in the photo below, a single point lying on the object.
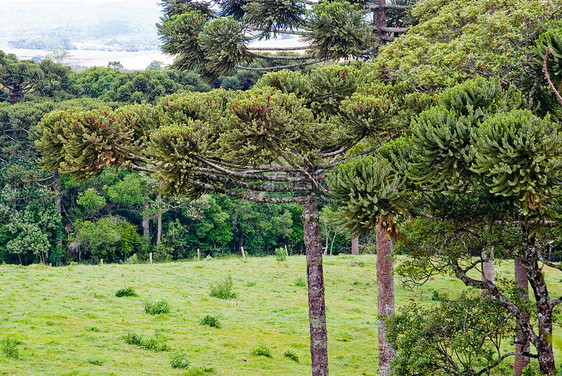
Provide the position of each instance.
(482, 163)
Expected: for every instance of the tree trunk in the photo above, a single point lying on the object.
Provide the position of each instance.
(146, 223)
(543, 342)
(521, 340)
(316, 304)
(385, 297)
(379, 18)
(355, 246)
(159, 221)
(488, 271)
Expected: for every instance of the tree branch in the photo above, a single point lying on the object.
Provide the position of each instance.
(276, 57)
(282, 66)
(545, 71)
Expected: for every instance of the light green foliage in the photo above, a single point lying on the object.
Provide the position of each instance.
(280, 254)
(93, 136)
(222, 289)
(132, 190)
(156, 343)
(155, 65)
(91, 201)
(370, 189)
(456, 337)
(157, 308)
(96, 81)
(180, 360)
(459, 39)
(272, 312)
(520, 155)
(262, 350)
(100, 238)
(9, 346)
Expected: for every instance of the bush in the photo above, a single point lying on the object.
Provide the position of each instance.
(155, 308)
(129, 291)
(134, 259)
(261, 350)
(154, 343)
(179, 360)
(223, 289)
(291, 355)
(9, 347)
(300, 282)
(280, 254)
(211, 321)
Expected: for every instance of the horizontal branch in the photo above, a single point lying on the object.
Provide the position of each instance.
(387, 6)
(390, 29)
(255, 187)
(277, 57)
(247, 196)
(301, 48)
(282, 66)
(243, 174)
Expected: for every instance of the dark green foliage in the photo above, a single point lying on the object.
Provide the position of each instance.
(222, 289)
(157, 308)
(9, 346)
(268, 16)
(262, 350)
(155, 343)
(338, 31)
(211, 321)
(456, 337)
(180, 360)
(129, 291)
(291, 355)
(300, 282)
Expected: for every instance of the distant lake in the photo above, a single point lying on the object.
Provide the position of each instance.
(131, 60)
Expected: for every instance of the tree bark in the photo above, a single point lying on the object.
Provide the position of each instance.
(159, 221)
(316, 302)
(146, 224)
(521, 340)
(488, 271)
(379, 17)
(355, 246)
(385, 297)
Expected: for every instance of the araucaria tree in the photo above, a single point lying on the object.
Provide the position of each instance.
(213, 36)
(272, 144)
(478, 171)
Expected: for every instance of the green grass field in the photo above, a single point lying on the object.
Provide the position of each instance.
(69, 321)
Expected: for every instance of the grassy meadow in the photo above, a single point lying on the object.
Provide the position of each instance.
(68, 321)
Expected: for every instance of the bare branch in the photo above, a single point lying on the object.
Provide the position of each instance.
(277, 57)
(545, 71)
(282, 66)
(299, 48)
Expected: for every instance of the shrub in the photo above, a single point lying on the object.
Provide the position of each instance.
(179, 360)
(155, 308)
(129, 291)
(436, 297)
(134, 259)
(280, 254)
(96, 361)
(261, 350)
(291, 355)
(211, 321)
(154, 343)
(300, 282)
(9, 347)
(223, 289)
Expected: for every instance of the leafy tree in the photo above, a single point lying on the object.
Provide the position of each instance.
(23, 78)
(479, 162)
(151, 85)
(96, 81)
(155, 65)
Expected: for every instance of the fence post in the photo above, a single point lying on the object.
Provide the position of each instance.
(150, 257)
